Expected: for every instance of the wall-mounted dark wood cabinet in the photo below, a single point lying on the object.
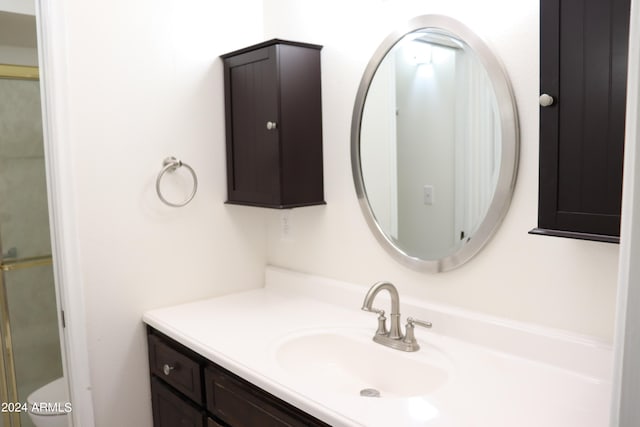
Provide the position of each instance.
(583, 74)
(273, 114)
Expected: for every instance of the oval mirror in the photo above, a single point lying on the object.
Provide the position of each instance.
(434, 144)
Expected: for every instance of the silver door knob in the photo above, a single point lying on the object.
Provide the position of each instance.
(546, 100)
(272, 125)
(167, 369)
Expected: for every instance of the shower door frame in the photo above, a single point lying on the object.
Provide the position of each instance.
(9, 387)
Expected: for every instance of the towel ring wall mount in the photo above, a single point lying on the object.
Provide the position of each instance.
(169, 165)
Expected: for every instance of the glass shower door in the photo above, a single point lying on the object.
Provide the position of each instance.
(30, 350)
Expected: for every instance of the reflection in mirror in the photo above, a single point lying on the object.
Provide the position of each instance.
(434, 134)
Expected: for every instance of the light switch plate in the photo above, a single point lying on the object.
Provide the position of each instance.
(428, 195)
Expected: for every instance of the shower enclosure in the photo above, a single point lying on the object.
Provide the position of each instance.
(30, 354)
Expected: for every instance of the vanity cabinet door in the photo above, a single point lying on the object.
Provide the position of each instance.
(274, 125)
(583, 69)
(241, 404)
(169, 410)
(253, 151)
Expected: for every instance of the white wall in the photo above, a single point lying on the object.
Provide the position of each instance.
(426, 104)
(143, 81)
(561, 283)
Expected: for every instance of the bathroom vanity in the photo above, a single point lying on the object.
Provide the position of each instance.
(300, 352)
(188, 389)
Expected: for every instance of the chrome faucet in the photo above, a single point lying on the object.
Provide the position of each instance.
(394, 337)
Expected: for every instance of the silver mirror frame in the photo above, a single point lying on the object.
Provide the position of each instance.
(510, 144)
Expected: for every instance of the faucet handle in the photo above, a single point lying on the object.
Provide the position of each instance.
(411, 321)
(382, 320)
(410, 337)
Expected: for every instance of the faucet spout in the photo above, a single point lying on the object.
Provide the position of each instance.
(394, 337)
(367, 305)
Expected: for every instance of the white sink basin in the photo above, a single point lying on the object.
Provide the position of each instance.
(346, 361)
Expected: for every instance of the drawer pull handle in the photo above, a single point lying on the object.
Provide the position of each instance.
(167, 369)
(272, 125)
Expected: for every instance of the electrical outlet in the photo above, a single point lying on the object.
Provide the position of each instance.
(285, 224)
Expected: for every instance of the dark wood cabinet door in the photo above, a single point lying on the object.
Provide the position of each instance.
(253, 144)
(241, 404)
(169, 410)
(583, 65)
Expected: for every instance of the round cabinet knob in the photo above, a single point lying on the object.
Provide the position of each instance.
(272, 125)
(546, 100)
(167, 369)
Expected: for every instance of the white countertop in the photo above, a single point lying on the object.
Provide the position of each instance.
(504, 374)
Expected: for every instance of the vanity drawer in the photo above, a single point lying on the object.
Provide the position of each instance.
(176, 366)
(169, 410)
(241, 404)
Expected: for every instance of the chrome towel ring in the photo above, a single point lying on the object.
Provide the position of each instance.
(170, 164)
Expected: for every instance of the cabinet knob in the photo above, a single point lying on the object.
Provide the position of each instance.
(546, 100)
(272, 125)
(167, 369)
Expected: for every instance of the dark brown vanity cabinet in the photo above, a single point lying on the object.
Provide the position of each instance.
(176, 383)
(583, 73)
(273, 125)
(188, 390)
(240, 403)
(170, 410)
